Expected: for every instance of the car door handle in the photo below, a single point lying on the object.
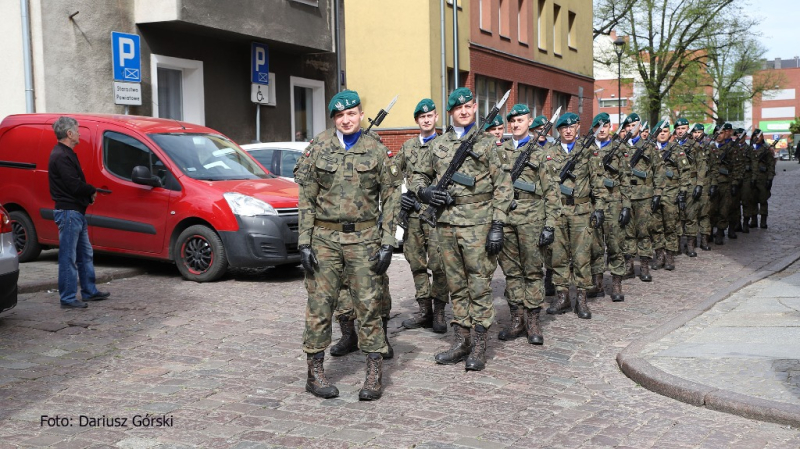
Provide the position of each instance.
(103, 190)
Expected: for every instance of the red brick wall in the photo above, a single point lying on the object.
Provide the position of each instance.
(395, 138)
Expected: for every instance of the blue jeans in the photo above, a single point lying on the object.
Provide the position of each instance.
(75, 256)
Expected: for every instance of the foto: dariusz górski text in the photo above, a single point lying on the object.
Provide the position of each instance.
(147, 420)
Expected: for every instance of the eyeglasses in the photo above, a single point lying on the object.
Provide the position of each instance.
(571, 127)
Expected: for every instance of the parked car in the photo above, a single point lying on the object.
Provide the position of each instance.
(9, 263)
(783, 155)
(171, 190)
(277, 157)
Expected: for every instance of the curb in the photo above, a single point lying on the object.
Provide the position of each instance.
(642, 372)
(102, 277)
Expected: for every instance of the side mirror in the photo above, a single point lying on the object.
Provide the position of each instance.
(141, 175)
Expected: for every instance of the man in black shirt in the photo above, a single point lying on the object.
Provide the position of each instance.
(72, 195)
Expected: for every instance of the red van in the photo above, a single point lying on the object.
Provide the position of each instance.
(168, 190)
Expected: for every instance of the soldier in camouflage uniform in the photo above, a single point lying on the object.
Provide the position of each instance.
(742, 158)
(579, 216)
(472, 213)
(610, 239)
(763, 170)
(729, 177)
(695, 213)
(419, 245)
(547, 251)
(342, 190)
(496, 128)
(677, 184)
(530, 226)
(646, 185)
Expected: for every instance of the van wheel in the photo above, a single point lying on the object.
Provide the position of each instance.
(200, 255)
(25, 238)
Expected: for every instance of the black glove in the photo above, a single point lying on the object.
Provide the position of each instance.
(307, 258)
(734, 189)
(494, 241)
(769, 185)
(624, 216)
(698, 191)
(382, 259)
(598, 216)
(547, 236)
(408, 202)
(656, 203)
(712, 191)
(433, 196)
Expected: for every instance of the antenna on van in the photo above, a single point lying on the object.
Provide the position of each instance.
(181, 125)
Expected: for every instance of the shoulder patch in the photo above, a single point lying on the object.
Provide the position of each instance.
(389, 153)
(594, 153)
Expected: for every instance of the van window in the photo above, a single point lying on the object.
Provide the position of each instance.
(288, 161)
(209, 157)
(121, 153)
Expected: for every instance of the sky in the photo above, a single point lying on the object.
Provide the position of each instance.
(780, 32)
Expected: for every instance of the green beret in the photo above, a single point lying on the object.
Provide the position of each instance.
(538, 121)
(631, 118)
(739, 130)
(498, 121)
(727, 126)
(601, 117)
(459, 97)
(681, 122)
(660, 125)
(699, 127)
(423, 107)
(570, 118)
(518, 109)
(345, 99)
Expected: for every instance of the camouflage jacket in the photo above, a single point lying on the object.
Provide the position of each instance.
(647, 176)
(730, 167)
(410, 155)
(763, 163)
(488, 199)
(535, 192)
(677, 170)
(588, 181)
(347, 186)
(616, 178)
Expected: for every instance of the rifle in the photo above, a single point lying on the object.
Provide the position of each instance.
(724, 156)
(610, 156)
(464, 150)
(566, 170)
(523, 160)
(639, 154)
(381, 115)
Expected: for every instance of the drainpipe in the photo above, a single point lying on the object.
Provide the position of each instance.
(337, 37)
(442, 105)
(27, 59)
(455, 44)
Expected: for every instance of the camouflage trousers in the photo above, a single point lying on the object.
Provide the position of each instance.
(609, 242)
(735, 211)
(522, 262)
(573, 243)
(724, 202)
(704, 219)
(337, 264)
(419, 248)
(637, 234)
(665, 231)
(344, 302)
(757, 202)
(692, 216)
(468, 269)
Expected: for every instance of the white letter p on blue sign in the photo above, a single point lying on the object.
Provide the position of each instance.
(259, 63)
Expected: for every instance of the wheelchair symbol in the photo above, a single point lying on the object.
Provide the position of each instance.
(259, 95)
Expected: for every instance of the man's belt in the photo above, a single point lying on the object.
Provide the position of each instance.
(526, 196)
(572, 201)
(461, 200)
(345, 227)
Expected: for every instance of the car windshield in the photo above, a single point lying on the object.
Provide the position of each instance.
(209, 157)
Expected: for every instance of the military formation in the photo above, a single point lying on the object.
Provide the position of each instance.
(554, 212)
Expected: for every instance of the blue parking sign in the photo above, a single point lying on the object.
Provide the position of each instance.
(259, 63)
(126, 57)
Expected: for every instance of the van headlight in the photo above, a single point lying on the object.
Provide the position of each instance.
(247, 206)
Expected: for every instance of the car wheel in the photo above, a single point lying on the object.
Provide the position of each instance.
(25, 238)
(200, 255)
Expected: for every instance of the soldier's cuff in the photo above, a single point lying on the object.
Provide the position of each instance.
(499, 216)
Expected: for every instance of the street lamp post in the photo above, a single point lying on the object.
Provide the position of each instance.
(619, 47)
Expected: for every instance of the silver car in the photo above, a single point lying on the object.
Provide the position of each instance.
(9, 263)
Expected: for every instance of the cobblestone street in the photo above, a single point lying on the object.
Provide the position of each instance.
(223, 363)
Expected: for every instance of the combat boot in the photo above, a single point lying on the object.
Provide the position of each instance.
(658, 260)
(738, 227)
(439, 322)
(549, 287)
(597, 290)
(477, 358)
(745, 226)
(690, 246)
(390, 351)
(719, 238)
(460, 348)
(373, 388)
(669, 261)
(753, 222)
(581, 308)
(616, 288)
(561, 305)
(349, 341)
(423, 318)
(732, 232)
(644, 269)
(532, 327)
(763, 222)
(683, 245)
(317, 384)
(517, 326)
(704, 242)
(629, 270)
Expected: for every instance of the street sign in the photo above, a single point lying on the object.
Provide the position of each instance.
(259, 94)
(776, 136)
(126, 57)
(259, 63)
(128, 93)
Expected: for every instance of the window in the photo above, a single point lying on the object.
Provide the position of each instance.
(489, 91)
(561, 99)
(534, 97)
(541, 22)
(209, 157)
(122, 152)
(288, 161)
(613, 102)
(572, 34)
(178, 88)
(264, 157)
(523, 26)
(308, 108)
(557, 44)
(504, 15)
(485, 15)
(731, 109)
